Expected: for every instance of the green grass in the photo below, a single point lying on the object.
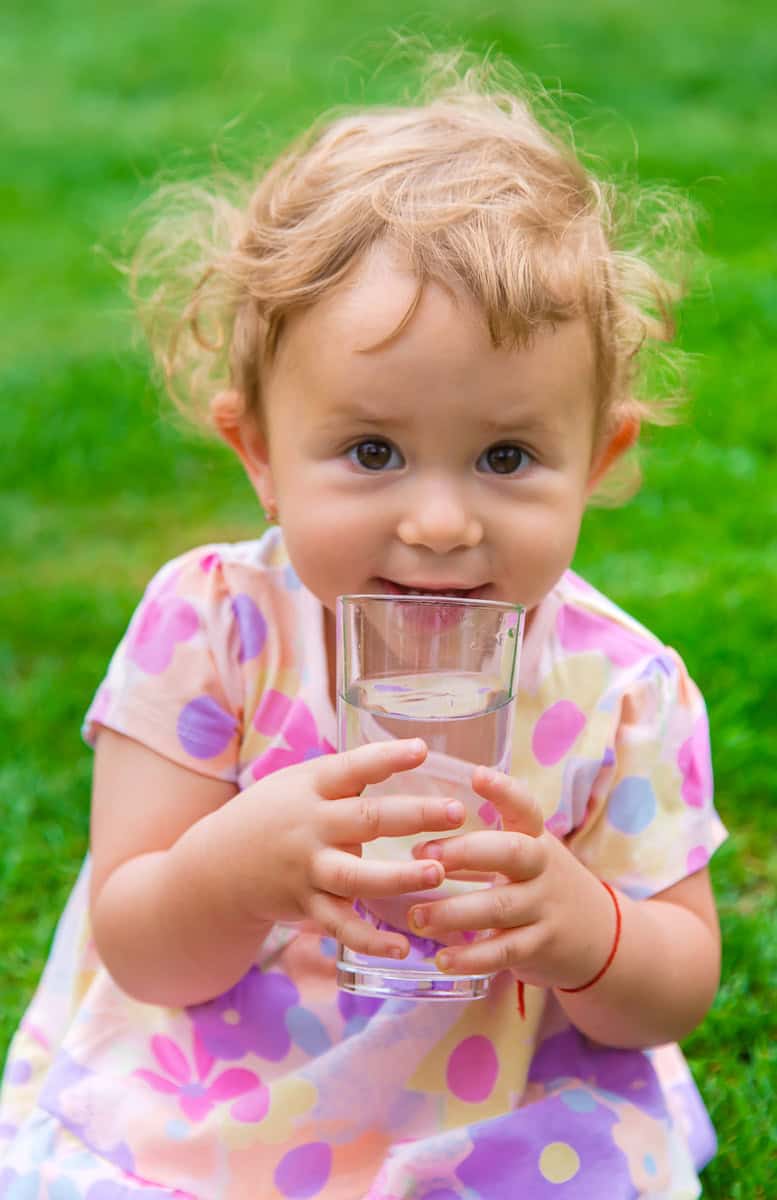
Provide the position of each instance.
(98, 488)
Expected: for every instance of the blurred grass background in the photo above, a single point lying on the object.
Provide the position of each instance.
(98, 487)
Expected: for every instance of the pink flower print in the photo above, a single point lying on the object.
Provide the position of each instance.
(290, 722)
(195, 1095)
(580, 632)
(209, 562)
(693, 760)
(161, 623)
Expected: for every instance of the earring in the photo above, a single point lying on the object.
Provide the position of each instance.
(270, 513)
(227, 409)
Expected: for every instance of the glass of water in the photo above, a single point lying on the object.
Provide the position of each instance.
(443, 669)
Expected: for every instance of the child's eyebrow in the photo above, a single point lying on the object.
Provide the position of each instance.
(518, 422)
(361, 410)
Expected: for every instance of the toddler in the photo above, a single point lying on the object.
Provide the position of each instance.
(421, 337)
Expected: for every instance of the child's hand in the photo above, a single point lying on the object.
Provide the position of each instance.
(297, 835)
(551, 918)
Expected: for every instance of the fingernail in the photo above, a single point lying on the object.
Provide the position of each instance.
(443, 960)
(396, 952)
(455, 811)
(431, 875)
(418, 918)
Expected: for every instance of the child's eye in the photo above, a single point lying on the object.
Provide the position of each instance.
(504, 459)
(375, 455)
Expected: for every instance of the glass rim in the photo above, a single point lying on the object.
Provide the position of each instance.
(386, 597)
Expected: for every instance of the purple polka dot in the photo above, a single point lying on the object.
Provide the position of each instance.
(19, 1071)
(632, 805)
(697, 858)
(304, 1170)
(351, 1005)
(556, 732)
(472, 1069)
(251, 625)
(204, 728)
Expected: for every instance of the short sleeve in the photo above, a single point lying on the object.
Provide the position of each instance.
(650, 819)
(174, 681)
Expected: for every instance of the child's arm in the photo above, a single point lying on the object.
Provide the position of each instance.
(188, 877)
(555, 927)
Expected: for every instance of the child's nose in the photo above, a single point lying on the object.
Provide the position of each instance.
(439, 520)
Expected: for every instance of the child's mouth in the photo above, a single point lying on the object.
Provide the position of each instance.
(391, 588)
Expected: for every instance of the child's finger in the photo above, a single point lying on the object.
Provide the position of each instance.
(492, 852)
(347, 875)
(499, 907)
(520, 812)
(363, 818)
(339, 920)
(349, 772)
(490, 955)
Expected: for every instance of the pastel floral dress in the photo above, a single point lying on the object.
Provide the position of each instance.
(285, 1087)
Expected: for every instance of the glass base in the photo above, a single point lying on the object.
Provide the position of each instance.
(363, 980)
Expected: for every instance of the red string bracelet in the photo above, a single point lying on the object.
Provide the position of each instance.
(584, 986)
(615, 943)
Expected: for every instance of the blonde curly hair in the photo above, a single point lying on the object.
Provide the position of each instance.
(473, 186)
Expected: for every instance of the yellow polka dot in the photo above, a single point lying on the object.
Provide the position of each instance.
(231, 1017)
(559, 1162)
(290, 1099)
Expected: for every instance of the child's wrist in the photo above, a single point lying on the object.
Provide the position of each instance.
(606, 962)
(616, 937)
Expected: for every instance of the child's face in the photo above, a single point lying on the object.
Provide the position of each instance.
(435, 463)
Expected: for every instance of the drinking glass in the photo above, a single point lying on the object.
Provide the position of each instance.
(443, 669)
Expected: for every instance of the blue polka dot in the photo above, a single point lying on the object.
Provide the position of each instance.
(632, 805)
(306, 1031)
(355, 1025)
(64, 1189)
(24, 1187)
(177, 1130)
(650, 1164)
(578, 1100)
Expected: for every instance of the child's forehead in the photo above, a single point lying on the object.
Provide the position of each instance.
(377, 293)
(384, 307)
(354, 346)
(384, 310)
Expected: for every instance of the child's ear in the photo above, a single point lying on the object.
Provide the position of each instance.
(614, 445)
(242, 434)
